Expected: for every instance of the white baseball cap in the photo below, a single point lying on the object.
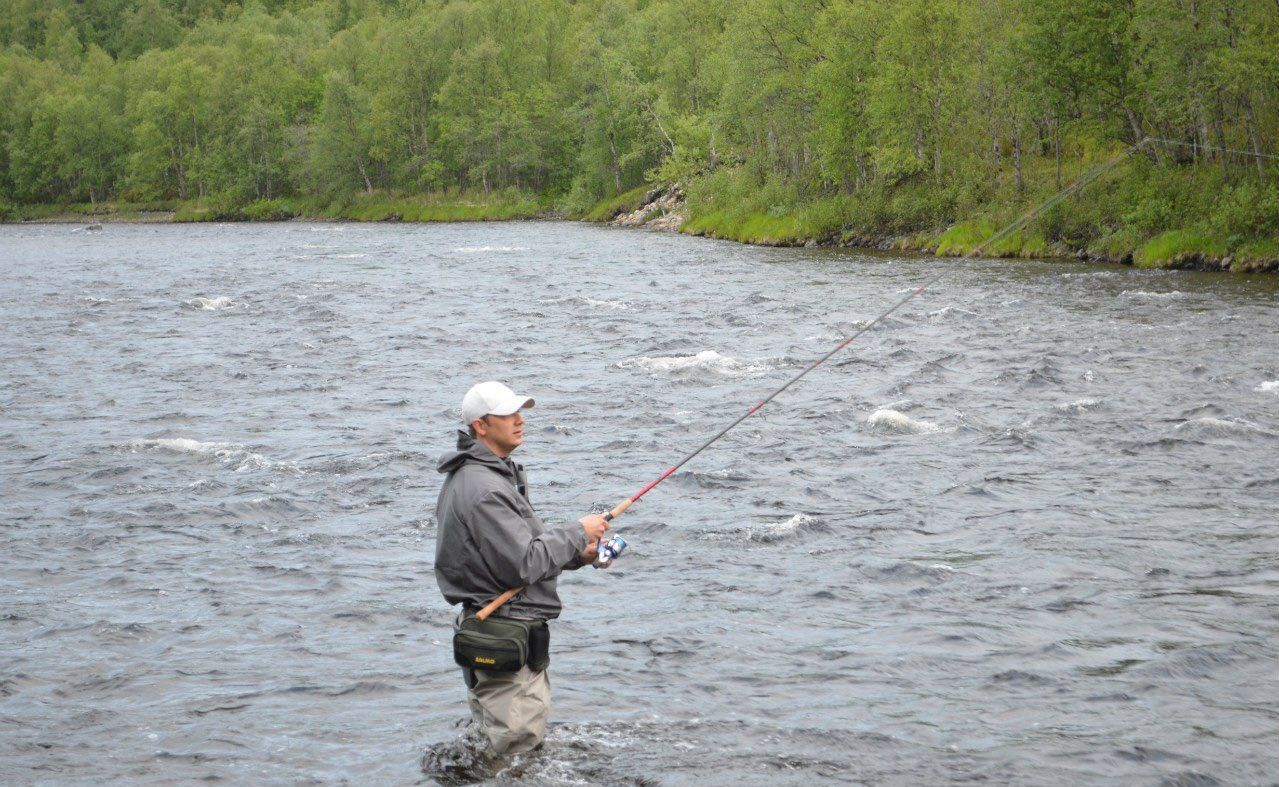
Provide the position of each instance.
(491, 398)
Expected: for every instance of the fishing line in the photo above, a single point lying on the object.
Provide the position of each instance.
(1198, 146)
(1025, 218)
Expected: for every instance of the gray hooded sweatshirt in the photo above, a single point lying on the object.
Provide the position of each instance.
(488, 539)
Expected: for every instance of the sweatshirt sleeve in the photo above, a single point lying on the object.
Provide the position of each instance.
(508, 546)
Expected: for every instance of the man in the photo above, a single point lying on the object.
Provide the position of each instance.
(489, 540)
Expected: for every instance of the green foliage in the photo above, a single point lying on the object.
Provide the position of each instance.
(1247, 210)
(607, 209)
(267, 210)
(785, 120)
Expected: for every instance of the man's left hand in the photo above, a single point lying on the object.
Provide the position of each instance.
(589, 555)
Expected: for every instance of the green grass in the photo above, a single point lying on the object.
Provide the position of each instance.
(499, 206)
(1257, 255)
(118, 210)
(760, 228)
(191, 211)
(960, 240)
(963, 237)
(1179, 247)
(1139, 212)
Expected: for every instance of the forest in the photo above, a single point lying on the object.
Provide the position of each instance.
(916, 123)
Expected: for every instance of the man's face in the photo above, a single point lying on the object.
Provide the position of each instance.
(503, 433)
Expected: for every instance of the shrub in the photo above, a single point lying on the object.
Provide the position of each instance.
(267, 210)
(1247, 210)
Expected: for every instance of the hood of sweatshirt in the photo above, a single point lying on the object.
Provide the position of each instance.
(471, 450)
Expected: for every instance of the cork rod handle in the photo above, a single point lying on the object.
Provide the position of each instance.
(492, 606)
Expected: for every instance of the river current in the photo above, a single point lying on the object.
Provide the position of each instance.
(1023, 532)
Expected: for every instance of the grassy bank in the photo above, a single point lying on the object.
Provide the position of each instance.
(448, 206)
(1141, 213)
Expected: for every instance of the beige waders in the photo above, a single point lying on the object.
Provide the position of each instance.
(511, 708)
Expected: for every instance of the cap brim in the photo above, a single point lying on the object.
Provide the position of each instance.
(514, 405)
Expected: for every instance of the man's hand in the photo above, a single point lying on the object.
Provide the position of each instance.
(588, 556)
(594, 525)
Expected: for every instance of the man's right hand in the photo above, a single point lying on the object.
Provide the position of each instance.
(594, 525)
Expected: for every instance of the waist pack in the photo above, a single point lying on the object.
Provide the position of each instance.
(502, 644)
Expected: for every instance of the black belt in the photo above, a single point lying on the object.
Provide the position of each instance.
(470, 610)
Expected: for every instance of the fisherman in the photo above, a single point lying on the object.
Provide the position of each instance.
(490, 540)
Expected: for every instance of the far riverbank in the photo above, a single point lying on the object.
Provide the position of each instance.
(667, 208)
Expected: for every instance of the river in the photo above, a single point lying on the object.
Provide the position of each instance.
(1023, 532)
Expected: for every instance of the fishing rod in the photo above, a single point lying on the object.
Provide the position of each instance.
(1024, 219)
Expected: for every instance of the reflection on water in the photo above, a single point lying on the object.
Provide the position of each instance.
(1022, 532)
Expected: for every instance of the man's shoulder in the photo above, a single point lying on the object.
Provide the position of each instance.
(473, 481)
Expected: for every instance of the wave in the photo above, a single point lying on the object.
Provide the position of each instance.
(330, 256)
(229, 454)
(909, 571)
(182, 444)
(1269, 386)
(209, 304)
(1147, 295)
(475, 249)
(1216, 427)
(705, 361)
(770, 532)
(715, 479)
(1090, 275)
(951, 311)
(775, 531)
(900, 405)
(1078, 407)
(583, 300)
(894, 421)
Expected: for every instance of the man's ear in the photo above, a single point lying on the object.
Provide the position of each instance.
(480, 426)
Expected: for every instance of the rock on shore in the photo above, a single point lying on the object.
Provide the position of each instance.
(662, 208)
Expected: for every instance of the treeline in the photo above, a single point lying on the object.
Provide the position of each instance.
(965, 101)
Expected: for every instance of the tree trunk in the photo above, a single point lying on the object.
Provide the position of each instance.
(1252, 134)
(1221, 137)
(617, 167)
(1138, 135)
(364, 174)
(1021, 183)
(1057, 150)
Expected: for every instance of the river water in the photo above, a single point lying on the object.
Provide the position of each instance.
(1024, 532)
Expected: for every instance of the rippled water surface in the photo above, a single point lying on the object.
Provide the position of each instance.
(1023, 532)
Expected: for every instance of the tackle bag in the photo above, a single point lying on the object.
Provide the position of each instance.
(501, 644)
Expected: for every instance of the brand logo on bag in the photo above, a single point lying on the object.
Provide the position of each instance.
(484, 660)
